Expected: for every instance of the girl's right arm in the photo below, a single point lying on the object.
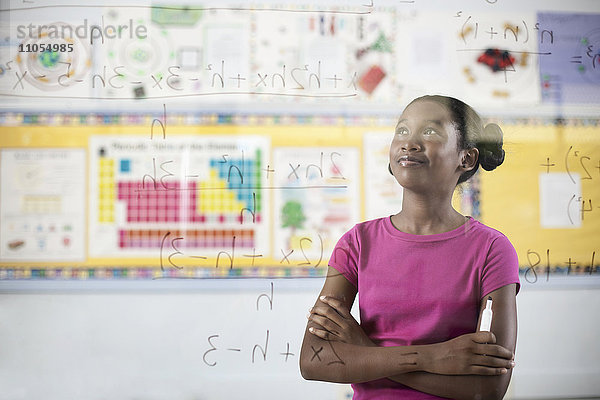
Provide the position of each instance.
(326, 358)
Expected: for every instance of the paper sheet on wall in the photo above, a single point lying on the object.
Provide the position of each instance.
(560, 200)
(42, 205)
(427, 54)
(383, 194)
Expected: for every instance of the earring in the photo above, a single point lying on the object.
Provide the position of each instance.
(390, 169)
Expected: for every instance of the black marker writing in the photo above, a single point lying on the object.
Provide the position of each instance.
(269, 298)
(337, 360)
(220, 81)
(258, 350)
(228, 255)
(163, 124)
(153, 176)
(263, 350)
(285, 256)
(212, 348)
(316, 353)
(287, 352)
(571, 266)
(253, 256)
(547, 165)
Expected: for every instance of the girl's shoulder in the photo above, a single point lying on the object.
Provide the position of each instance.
(482, 229)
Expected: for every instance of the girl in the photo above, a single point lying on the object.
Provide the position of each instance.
(422, 276)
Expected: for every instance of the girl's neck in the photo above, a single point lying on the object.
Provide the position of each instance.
(427, 214)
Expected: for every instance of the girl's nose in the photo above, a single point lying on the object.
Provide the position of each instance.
(410, 143)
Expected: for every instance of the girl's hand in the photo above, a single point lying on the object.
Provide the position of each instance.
(470, 354)
(336, 323)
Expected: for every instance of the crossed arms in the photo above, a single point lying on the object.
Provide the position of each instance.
(476, 365)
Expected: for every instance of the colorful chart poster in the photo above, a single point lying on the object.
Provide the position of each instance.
(317, 201)
(42, 204)
(497, 58)
(572, 73)
(166, 59)
(318, 56)
(199, 194)
(45, 54)
(383, 194)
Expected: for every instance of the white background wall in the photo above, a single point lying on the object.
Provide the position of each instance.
(149, 340)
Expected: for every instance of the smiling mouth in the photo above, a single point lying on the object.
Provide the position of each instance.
(406, 161)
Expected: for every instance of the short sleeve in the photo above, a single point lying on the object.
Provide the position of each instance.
(501, 266)
(345, 256)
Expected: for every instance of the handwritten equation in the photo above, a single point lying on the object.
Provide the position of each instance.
(295, 174)
(591, 56)
(219, 79)
(496, 47)
(507, 33)
(173, 256)
(538, 264)
(259, 351)
(221, 350)
(576, 160)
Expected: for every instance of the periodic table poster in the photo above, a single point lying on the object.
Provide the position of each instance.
(195, 195)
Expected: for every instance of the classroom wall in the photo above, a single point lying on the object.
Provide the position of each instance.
(170, 196)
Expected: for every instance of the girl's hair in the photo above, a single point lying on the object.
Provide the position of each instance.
(472, 134)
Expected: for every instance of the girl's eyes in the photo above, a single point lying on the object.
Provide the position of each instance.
(404, 131)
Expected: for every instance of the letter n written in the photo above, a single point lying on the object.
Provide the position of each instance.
(263, 350)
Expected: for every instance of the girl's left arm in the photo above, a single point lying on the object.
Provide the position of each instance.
(504, 327)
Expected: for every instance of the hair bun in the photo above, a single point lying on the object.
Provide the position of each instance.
(491, 153)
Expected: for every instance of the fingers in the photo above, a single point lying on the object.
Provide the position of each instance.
(488, 365)
(493, 362)
(331, 318)
(331, 309)
(484, 337)
(323, 334)
(481, 370)
(494, 350)
(337, 305)
(325, 322)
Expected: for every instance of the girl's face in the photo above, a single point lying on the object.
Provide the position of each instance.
(424, 155)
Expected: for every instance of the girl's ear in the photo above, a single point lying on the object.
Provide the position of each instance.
(469, 158)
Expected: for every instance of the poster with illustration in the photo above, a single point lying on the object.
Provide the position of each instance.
(383, 194)
(42, 204)
(317, 201)
(321, 56)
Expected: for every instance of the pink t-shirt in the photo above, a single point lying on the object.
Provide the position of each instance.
(421, 289)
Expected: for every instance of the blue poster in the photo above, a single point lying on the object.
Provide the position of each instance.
(571, 73)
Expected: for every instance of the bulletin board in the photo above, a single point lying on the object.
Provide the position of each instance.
(198, 201)
(266, 198)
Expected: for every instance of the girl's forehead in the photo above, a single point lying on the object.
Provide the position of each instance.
(426, 110)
